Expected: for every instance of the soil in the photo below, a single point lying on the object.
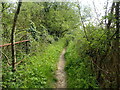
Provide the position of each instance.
(60, 73)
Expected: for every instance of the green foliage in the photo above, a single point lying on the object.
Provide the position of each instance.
(44, 24)
(78, 69)
(59, 18)
(37, 71)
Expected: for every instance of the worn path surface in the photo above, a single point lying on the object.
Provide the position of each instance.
(60, 73)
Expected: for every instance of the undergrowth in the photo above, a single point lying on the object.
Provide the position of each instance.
(36, 71)
(79, 73)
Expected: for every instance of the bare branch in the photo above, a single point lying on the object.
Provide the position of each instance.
(82, 22)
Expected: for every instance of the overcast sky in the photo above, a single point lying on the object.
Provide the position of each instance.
(97, 7)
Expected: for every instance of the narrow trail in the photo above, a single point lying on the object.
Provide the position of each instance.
(60, 73)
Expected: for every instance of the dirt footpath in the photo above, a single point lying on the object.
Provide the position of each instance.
(60, 73)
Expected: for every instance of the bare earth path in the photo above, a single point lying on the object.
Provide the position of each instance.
(60, 73)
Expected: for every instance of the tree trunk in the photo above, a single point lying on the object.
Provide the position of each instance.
(13, 37)
(117, 43)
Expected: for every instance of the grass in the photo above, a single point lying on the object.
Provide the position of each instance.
(37, 71)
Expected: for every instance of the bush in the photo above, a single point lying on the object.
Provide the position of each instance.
(78, 68)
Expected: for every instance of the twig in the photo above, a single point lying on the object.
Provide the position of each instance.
(6, 58)
(82, 22)
(106, 12)
(96, 12)
(99, 67)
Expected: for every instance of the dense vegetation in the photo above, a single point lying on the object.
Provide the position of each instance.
(92, 55)
(78, 66)
(36, 71)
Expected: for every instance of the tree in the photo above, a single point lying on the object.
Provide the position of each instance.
(117, 15)
(13, 37)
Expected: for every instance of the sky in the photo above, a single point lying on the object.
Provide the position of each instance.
(99, 4)
(97, 7)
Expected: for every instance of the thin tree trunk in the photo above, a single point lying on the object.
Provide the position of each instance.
(109, 24)
(13, 37)
(117, 43)
(83, 25)
(110, 20)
